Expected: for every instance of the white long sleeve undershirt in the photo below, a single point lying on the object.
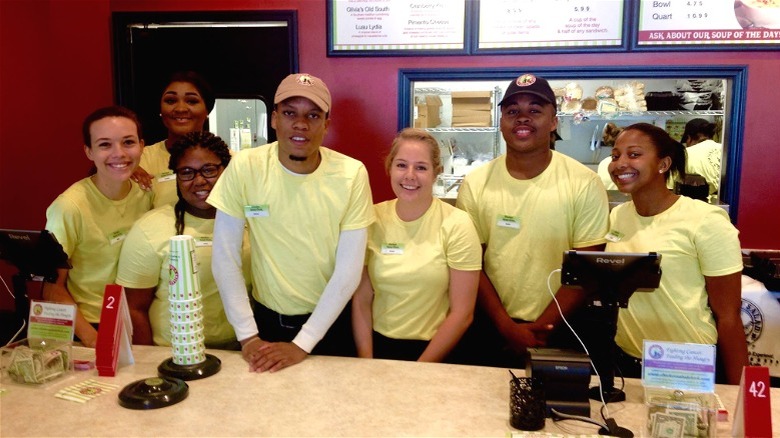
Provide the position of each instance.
(228, 274)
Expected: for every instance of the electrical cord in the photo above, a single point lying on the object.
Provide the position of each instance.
(558, 416)
(609, 426)
(7, 288)
(24, 322)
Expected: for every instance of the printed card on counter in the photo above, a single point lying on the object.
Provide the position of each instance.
(681, 22)
(753, 415)
(51, 321)
(114, 339)
(687, 367)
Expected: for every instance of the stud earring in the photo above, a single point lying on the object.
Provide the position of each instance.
(660, 171)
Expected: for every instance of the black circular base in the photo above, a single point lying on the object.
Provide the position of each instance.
(153, 393)
(611, 395)
(620, 432)
(207, 368)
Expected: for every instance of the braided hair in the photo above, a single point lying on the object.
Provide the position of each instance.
(197, 139)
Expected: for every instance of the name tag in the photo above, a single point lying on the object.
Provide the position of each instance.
(167, 176)
(392, 248)
(203, 241)
(116, 237)
(257, 210)
(505, 221)
(614, 236)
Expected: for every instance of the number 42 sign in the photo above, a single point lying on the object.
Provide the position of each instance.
(753, 415)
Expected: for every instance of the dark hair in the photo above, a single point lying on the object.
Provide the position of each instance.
(698, 129)
(102, 113)
(197, 139)
(198, 81)
(665, 145)
(420, 135)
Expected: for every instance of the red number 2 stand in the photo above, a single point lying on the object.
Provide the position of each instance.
(753, 415)
(115, 332)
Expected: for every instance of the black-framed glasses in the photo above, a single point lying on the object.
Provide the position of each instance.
(207, 171)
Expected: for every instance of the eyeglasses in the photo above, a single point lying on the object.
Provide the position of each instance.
(207, 171)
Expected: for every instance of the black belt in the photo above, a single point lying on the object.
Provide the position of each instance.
(286, 321)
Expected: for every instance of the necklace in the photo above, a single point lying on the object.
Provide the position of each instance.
(117, 198)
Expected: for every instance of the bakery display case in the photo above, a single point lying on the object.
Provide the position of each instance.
(459, 108)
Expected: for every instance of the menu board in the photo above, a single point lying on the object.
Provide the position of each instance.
(717, 22)
(553, 24)
(396, 25)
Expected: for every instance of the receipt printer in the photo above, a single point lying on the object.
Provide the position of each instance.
(565, 375)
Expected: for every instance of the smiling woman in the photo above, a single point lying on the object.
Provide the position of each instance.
(186, 101)
(419, 286)
(92, 217)
(698, 299)
(197, 160)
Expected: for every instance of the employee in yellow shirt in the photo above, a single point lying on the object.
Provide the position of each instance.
(198, 160)
(92, 217)
(185, 104)
(307, 208)
(528, 205)
(699, 297)
(703, 153)
(418, 290)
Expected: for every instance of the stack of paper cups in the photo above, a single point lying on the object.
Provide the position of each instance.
(185, 304)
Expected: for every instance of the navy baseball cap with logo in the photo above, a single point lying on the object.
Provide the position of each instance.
(531, 84)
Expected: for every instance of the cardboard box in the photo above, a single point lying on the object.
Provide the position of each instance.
(470, 101)
(477, 119)
(472, 109)
(428, 108)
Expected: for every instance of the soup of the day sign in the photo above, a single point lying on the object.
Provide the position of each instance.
(680, 22)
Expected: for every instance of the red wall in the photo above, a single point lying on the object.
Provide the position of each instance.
(58, 67)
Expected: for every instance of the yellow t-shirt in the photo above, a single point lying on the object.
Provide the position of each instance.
(704, 159)
(409, 265)
(603, 171)
(694, 239)
(528, 224)
(294, 220)
(154, 161)
(144, 263)
(91, 229)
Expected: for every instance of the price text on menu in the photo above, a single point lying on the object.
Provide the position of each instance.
(398, 25)
(678, 22)
(507, 23)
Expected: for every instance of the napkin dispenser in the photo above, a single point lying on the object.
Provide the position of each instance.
(565, 375)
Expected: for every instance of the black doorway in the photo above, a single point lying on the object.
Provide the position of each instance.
(239, 53)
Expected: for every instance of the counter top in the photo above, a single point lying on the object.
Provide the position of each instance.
(322, 396)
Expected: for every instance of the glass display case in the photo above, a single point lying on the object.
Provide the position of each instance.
(459, 108)
(241, 121)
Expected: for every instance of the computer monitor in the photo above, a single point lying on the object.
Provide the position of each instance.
(609, 278)
(612, 276)
(35, 254)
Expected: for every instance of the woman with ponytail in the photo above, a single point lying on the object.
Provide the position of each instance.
(197, 159)
(699, 298)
